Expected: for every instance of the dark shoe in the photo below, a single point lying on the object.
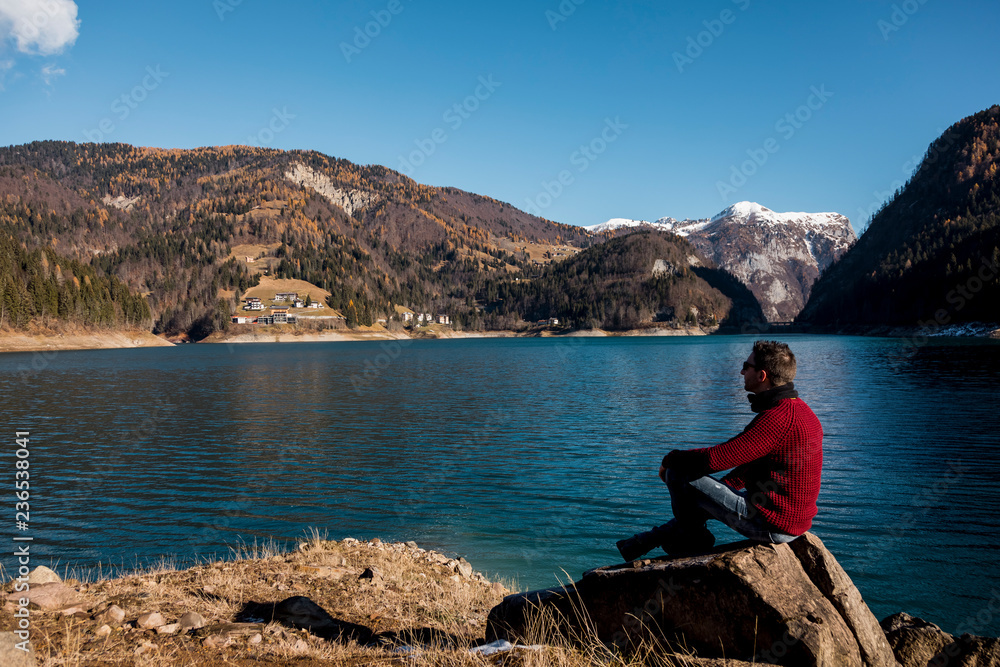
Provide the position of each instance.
(639, 545)
(679, 542)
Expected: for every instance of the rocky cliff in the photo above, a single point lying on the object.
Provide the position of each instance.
(777, 255)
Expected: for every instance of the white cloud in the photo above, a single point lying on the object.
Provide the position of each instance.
(50, 72)
(39, 27)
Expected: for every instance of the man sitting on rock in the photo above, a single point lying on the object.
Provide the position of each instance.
(770, 495)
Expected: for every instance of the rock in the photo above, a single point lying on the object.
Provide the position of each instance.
(191, 620)
(498, 588)
(256, 639)
(216, 641)
(829, 577)
(113, 615)
(745, 601)
(103, 631)
(300, 646)
(914, 641)
(47, 597)
(968, 651)
(169, 629)
(74, 610)
(463, 567)
(145, 647)
(412, 545)
(11, 655)
(150, 620)
(43, 575)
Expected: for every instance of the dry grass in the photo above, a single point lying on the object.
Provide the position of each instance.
(425, 612)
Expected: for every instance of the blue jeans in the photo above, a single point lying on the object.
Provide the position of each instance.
(694, 501)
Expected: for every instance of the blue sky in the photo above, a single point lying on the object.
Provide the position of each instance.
(577, 110)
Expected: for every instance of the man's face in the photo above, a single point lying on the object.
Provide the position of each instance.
(754, 379)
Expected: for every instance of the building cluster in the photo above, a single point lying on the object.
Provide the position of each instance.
(422, 318)
(279, 314)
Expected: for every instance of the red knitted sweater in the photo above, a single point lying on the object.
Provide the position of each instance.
(778, 458)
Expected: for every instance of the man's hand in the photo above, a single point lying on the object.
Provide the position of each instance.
(689, 464)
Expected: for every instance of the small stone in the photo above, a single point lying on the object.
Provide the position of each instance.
(150, 620)
(43, 575)
(208, 589)
(47, 597)
(73, 610)
(376, 541)
(212, 641)
(169, 629)
(463, 567)
(277, 559)
(412, 545)
(256, 639)
(145, 647)
(114, 615)
(11, 656)
(498, 588)
(299, 646)
(191, 620)
(103, 631)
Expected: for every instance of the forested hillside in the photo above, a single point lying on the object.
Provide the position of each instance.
(932, 253)
(627, 282)
(192, 230)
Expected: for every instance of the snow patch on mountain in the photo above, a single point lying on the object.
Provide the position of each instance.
(777, 255)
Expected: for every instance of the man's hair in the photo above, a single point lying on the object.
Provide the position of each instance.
(776, 359)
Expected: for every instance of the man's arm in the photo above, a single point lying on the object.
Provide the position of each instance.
(757, 441)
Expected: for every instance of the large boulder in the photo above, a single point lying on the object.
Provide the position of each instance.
(777, 603)
(919, 643)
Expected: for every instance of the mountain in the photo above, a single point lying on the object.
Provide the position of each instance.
(630, 282)
(931, 254)
(778, 256)
(194, 229)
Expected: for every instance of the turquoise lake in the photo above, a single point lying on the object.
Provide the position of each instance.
(529, 457)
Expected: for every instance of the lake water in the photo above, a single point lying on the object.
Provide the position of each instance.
(529, 457)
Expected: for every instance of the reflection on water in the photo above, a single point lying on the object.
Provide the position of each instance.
(527, 456)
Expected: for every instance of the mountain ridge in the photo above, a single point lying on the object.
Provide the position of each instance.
(778, 256)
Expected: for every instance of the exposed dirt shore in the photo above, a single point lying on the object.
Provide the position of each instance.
(50, 342)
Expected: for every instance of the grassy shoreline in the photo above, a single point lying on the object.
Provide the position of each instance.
(398, 592)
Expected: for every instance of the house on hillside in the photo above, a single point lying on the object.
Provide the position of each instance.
(279, 314)
(298, 303)
(315, 304)
(406, 316)
(242, 319)
(286, 296)
(443, 319)
(253, 303)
